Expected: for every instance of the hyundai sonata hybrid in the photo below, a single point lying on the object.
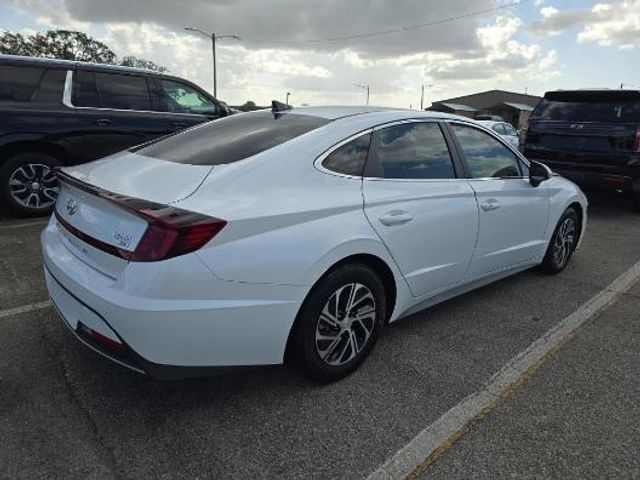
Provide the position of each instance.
(294, 235)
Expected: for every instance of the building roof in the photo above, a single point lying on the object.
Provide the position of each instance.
(489, 98)
(458, 107)
(519, 106)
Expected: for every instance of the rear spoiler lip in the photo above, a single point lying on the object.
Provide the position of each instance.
(131, 204)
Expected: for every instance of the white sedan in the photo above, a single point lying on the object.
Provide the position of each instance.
(504, 129)
(294, 235)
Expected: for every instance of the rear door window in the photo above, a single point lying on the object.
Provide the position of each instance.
(349, 159)
(19, 84)
(124, 92)
(231, 139)
(485, 156)
(415, 150)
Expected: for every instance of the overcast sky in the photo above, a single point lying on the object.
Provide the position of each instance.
(537, 45)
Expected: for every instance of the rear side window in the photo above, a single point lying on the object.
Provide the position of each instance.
(412, 151)
(509, 130)
(349, 159)
(498, 128)
(19, 84)
(485, 156)
(127, 92)
(575, 109)
(232, 138)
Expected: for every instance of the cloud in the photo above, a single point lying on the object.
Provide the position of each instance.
(482, 52)
(607, 24)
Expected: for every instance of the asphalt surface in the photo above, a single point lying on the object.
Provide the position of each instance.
(67, 413)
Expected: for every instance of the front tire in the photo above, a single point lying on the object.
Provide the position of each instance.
(563, 243)
(339, 323)
(28, 184)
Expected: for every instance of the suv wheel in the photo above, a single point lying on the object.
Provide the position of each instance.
(339, 323)
(28, 184)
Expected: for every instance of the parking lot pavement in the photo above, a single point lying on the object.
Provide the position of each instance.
(578, 417)
(66, 412)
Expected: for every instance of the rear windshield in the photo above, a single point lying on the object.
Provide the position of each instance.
(623, 110)
(231, 139)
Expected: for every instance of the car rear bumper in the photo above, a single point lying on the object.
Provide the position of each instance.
(624, 179)
(240, 325)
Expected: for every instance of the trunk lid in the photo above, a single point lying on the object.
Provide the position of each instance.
(94, 226)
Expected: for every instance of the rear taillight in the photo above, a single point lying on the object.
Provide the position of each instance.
(172, 232)
(636, 145)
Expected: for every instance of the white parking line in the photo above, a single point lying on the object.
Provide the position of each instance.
(24, 224)
(431, 442)
(24, 308)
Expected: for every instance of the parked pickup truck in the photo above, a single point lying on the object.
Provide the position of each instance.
(56, 112)
(589, 136)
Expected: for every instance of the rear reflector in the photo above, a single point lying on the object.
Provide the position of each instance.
(100, 338)
(170, 231)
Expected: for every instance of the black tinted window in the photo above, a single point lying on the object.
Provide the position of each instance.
(232, 138)
(593, 110)
(485, 156)
(413, 150)
(19, 84)
(128, 92)
(350, 157)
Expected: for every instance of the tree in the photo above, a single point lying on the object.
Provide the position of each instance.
(67, 45)
(132, 61)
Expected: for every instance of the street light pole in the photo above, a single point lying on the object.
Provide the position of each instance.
(287, 100)
(364, 87)
(213, 37)
(422, 95)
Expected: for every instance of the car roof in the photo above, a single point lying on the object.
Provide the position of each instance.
(55, 62)
(338, 112)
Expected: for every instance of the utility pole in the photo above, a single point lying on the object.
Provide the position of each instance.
(287, 100)
(422, 95)
(213, 37)
(364, 87)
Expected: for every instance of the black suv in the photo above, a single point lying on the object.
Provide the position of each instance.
(56, 112)
(589, 136)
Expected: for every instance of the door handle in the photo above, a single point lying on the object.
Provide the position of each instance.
(489, 205)
(395, 217)
(103, 122)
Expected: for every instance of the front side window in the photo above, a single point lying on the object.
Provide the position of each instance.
(19, 84)
(231, 139)
(349, 158)
(177, 97)
(125, 92)
(486, 157)
(413, 150)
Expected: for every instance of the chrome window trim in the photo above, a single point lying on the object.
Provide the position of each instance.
(67, 94)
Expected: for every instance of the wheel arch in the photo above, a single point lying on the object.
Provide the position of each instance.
(377, 264)
(8, 150)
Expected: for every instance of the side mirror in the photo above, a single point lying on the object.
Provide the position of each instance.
(538, 173)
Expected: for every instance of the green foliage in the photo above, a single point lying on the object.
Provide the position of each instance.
(68, 45)
(132, 61)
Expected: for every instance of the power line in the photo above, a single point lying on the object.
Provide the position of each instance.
(390, 31)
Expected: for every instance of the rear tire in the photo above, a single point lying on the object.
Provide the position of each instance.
(339, 323)
(28, 185)
(563, 243)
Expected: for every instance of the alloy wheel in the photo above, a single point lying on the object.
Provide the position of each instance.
(34, 185)
(564, 242)
(345, 324)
